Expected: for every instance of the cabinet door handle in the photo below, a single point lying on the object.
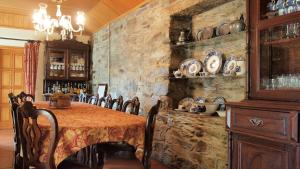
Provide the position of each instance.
(256, 122)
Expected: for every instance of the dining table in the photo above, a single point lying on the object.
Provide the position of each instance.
(82, 125)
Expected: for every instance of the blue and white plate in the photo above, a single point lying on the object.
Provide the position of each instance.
(190, 67)
(230, 66)
(213, 61)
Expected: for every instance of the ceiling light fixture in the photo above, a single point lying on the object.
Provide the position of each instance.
(44, 23)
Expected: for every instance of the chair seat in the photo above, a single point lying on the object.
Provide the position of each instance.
(69, 164)
(118, 149)
(119, 163)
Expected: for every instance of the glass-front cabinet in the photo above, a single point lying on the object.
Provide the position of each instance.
(274, 49)
(56, 64)
(77, 64)
(67, 60)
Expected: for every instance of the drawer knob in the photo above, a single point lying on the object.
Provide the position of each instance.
(256, 122)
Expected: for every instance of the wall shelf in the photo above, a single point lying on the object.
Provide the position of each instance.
(213, 41)
(207, 77)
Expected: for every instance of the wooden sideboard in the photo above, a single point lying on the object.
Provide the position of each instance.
(263, 135)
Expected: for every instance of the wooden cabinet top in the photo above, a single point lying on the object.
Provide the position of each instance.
(264, 104)
(68, 44)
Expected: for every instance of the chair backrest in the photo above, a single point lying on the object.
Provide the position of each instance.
(93, 100)
(25, 97)
(108, 101)
(119, 103)
(30, 135)
(82, 97)
(100, 101)
(149, 131)
(135, 106)
(14, 105)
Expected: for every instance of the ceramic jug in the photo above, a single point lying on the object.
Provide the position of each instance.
(238, 25)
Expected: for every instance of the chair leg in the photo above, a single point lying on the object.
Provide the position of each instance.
(100, 155)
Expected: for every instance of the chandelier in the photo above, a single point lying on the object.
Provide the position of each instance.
(44, 23)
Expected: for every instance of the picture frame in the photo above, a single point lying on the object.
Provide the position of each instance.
(102, 90)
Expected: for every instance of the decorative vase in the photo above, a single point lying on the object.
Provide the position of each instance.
(238, 25)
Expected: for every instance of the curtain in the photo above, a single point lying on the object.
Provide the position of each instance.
(31, 54)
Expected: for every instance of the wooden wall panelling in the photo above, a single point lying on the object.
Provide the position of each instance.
(18, 14)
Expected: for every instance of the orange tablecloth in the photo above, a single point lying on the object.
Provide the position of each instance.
(84, 124)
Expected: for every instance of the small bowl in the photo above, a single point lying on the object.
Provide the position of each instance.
(210, 108)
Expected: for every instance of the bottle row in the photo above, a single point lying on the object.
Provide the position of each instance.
(66, 87)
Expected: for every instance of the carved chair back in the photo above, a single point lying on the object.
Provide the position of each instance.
(101, 101)
(82, 97)
(93, 100)
(149, 131)
(119, 103)
(22, 97)
(14, 105)
(105, 101)
(108, 101)
(135, 106)
(30, 134)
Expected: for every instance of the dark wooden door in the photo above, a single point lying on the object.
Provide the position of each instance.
(257, 154)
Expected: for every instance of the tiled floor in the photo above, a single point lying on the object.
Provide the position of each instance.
(6, 154)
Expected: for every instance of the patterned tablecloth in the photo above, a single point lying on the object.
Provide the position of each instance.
(84, 124)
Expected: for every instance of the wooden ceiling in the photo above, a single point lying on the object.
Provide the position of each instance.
(18, 13)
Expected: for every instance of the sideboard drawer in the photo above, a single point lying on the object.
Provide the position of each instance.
(270, 124)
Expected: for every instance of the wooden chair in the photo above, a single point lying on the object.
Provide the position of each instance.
(100, 101)
(135, 106)
(121, 148)
(30, 135)
(106, 100)
(114, 163)
(82, 97)
(93, 100)
(17, 143)
(25, 97)
(119, 103)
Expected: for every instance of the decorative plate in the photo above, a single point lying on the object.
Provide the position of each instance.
(213, 61)
(186, 103)
(230, 66)
(190, 67)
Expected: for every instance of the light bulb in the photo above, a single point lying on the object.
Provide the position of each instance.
(58, 11)
(80, 19)
(35, 16)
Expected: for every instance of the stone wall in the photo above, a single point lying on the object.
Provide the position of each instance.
(134, 56)
(191, 141)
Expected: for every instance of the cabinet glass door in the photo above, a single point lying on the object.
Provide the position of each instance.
(77, 65)
(56, 64)
(273, 8)
(280, 57)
